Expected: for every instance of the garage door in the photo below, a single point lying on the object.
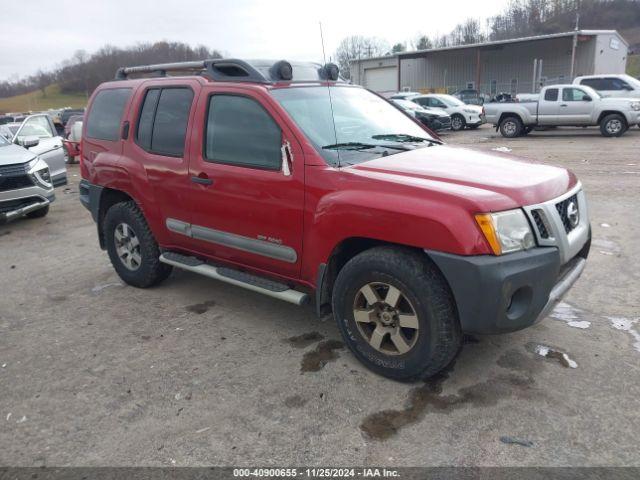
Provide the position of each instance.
(381, 79)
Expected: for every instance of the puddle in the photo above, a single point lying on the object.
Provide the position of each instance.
(627, 325)
(606, 247)
(570, 315)
(516, 441)
(304, 340)
(429, 399)
(561, 357)
(317, 358)
(201, 308)
(295, 401)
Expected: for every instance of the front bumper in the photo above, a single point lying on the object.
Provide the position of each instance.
(510, 292)
(16, 203)
(474, 120)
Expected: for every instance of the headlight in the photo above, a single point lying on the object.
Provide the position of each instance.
(635, 106)
(506, 231)
(39, 171)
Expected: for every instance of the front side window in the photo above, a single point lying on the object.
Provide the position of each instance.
(35, 127)
(572, 95)
(240, 132)
(106, 114)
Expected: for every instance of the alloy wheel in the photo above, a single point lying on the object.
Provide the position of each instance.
(386, 319)
(614, 126)
(127, 246)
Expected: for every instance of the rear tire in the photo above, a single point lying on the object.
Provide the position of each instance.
(41, 212)
(613, 125)
(132, 248)
(458, 122)
(414, 332)
(511, 127)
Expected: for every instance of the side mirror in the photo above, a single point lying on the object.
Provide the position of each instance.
(586, 98)
(28, 142)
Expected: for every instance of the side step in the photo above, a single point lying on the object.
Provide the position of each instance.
(236, 277)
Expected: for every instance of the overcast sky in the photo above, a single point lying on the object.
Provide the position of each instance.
(42, 33)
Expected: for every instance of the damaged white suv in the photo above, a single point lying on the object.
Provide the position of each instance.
(25, 183)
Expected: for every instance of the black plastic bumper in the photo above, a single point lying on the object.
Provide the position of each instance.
(507, 293)
(90, 197)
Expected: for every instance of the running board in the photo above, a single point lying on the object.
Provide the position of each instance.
(235, 277)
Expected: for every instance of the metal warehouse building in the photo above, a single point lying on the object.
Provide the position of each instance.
(516, 66)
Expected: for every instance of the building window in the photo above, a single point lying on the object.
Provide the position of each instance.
(494, 87)
(471, 85)
(514, 87)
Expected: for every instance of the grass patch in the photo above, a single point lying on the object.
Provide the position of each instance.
(36, 101)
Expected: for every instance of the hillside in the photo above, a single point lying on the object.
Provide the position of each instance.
(35, 101)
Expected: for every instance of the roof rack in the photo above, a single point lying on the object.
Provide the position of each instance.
(234, 70)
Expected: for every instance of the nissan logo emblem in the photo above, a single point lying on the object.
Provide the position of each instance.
(572, 214)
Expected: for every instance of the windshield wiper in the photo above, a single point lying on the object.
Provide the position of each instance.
(404, 138)
(360, 146)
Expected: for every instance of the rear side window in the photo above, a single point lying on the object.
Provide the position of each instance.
(106, 114)
(241, 132)
(551, 95)
(162, 125)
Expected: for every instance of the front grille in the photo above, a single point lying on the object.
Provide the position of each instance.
(14, 170)
(13, 183)
(541, 225)
(11, 205)
(562, 208)
(14, 176)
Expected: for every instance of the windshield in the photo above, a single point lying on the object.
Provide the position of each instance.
(3, 141)
(451, 100)
(361, 118)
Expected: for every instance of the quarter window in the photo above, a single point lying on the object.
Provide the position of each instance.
(106, 114)
(240, 132)
(162, 125)
(551, 95)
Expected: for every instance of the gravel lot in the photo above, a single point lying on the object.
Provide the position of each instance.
(196, 372)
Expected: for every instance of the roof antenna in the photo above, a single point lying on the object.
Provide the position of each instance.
(333, 120)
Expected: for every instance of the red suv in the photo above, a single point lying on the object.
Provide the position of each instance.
(285, 180)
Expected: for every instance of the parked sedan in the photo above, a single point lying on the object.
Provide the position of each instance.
(462, 115)
(38, 134)
(435, 119)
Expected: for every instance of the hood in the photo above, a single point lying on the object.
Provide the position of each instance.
(10, 154)
(436, 111)
(619, 101)
(490, 181)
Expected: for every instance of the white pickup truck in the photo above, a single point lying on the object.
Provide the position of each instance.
(565, 105)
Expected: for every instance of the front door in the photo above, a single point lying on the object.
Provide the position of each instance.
(575, 109)
(49, 147)
(247, 175)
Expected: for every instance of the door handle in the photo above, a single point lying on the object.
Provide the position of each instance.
(564, 105)
(202, 180)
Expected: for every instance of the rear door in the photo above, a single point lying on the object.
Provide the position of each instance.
(550, 111)
(247, 182)
(49, 147)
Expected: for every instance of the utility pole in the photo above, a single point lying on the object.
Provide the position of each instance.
(575, 46)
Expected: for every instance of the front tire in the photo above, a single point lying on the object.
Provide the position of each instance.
(396, 313)
(511, 127)
(133, 250)
(457, 123)
(613, 125)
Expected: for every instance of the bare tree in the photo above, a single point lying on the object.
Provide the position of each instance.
(358, 47)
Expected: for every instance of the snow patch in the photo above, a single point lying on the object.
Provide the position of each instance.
(501, 149)
(627, 325)
(570, 315)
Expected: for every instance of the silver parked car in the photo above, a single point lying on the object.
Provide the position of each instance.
(26, 186)
(38, 134)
